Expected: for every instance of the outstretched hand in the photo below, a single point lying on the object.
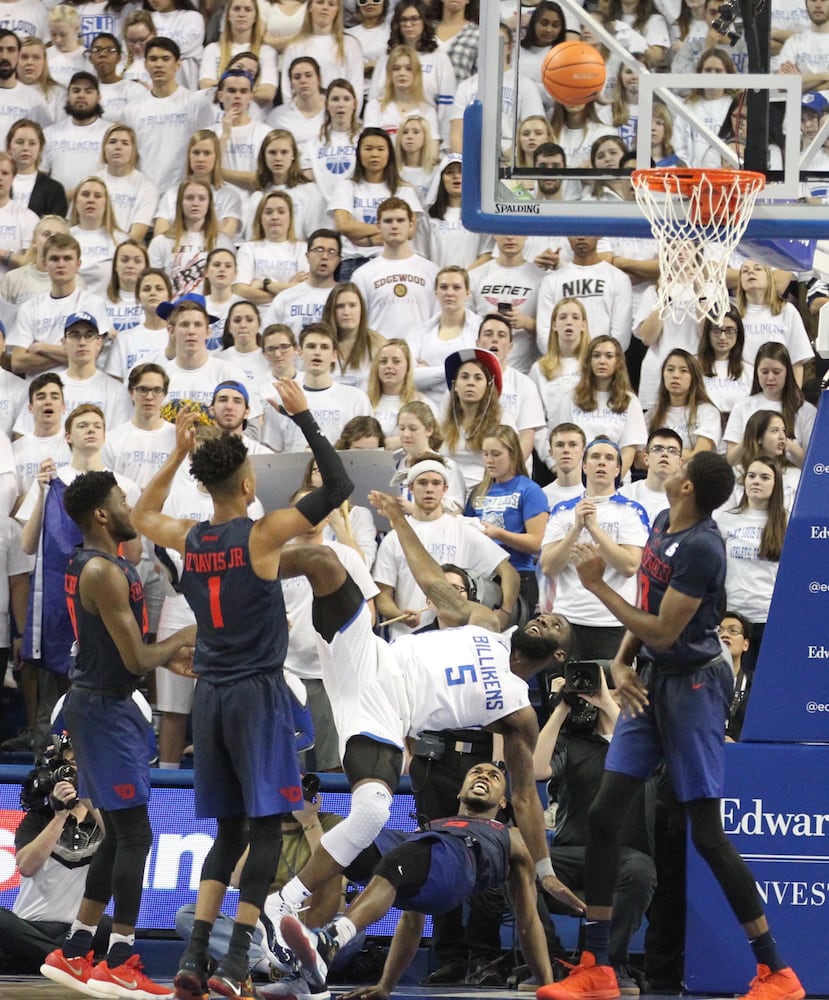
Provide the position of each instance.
(186, 421)
(386, 505)
(292, 396)
(367, 993)
(559, 891)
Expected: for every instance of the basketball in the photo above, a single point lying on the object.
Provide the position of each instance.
(573, 73)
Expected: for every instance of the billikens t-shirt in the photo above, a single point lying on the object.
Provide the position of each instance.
(693, 562)
(509, 506)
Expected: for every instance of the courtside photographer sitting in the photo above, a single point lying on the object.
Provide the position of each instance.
(55, 842)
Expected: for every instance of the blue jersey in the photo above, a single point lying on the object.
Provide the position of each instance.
(509, 506)
(693, 562)
(242, 628)
(98, 664)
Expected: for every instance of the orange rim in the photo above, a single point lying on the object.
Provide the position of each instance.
(685, 180)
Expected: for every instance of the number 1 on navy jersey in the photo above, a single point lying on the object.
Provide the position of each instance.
(214, 584)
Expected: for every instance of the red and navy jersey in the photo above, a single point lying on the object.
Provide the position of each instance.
(98, 663)
(242, 628)
(693, 562)
(489, 840)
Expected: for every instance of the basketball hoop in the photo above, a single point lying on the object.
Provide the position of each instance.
(697, 217)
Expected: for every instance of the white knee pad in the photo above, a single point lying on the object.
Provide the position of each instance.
(370, 808)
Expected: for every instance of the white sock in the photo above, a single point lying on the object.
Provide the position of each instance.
(294, 893)
(121, 939)
(345, 930)
(78, 926)
(168, 765)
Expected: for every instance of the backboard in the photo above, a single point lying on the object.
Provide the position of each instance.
(783, 212)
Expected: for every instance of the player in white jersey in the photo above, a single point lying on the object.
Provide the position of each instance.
(380, 703)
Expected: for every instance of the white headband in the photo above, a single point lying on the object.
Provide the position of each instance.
(427, 465)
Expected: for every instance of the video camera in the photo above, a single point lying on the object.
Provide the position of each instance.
(51, 767)
(581, 677)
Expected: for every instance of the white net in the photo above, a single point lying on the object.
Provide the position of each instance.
(697, 217)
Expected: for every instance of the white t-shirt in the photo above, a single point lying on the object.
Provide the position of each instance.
(447, 241)
(138, 453)
(23, 101)
(708, 424)
(625, 523)
(725, 391)
(13, 398)
(211, 57)
(625, 428)
(116, 97)
(675, 335)
(520, 401)
(26, 18)
(323, 48)
(297, 306)
(30, 451)
(263, 258)
(17, 224)
(494, 285)
(361, 199)
(243, 147)
(735, 428)
(653, 501)
(101, 389)
(133, 347)
(398, 293)
(785, 328)
(163, 126)
(447, 539)
(330, 161)
(186, 28)
(604, 291)
(42, 318)
(72, 151)
(13, 562)
(749, 580)
(134, 198)
(332, 408)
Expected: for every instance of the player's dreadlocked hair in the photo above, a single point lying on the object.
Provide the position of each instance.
(85, 493)
(713, 480)
(216, 463)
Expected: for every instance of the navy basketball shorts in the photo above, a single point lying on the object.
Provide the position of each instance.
(244, 749)
(684, 725)
(109, 736)
(451, 878)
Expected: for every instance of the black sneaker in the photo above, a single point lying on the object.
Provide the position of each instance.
(190, 982)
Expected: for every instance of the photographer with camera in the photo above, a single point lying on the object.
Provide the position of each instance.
(571, 752)
(54, 845)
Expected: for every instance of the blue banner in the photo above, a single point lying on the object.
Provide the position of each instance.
(774, 811)
(790, 694)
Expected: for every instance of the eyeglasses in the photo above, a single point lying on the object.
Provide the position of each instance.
(322, 252)
(411, 20)
(459, 587)
(728, 331)
(109, 51)
(150, 390)
(731, 630)
(277, 349)
(82, 335)
(664, 449)
(365, 3)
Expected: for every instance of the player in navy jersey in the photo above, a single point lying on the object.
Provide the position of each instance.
(434, 871)
(109, 733)
(674, 705)
(245, 766)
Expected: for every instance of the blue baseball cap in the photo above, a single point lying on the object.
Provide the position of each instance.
(814, 102)
(81, 317)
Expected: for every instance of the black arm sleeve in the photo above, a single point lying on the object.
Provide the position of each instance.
(336, 486)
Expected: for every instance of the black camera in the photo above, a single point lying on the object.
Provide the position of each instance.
(310, 786)
(51, 767)
(582, 677)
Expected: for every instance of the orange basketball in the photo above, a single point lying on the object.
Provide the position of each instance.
(573, 73)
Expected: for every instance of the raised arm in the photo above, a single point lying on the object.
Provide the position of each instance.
(453, 609)
(169, 532)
